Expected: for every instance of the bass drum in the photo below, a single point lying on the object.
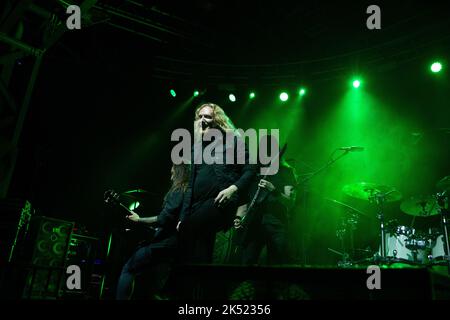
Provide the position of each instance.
(438, 248)
(398, 248)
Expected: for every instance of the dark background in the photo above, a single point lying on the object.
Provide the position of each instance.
(101, 114)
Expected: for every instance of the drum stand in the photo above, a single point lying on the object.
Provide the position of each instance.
(442, 199)
(348, 226)
(345, 257)
(379, 199)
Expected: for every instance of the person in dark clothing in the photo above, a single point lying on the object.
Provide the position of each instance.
(269, 223)
(164, 246)
(216, 188)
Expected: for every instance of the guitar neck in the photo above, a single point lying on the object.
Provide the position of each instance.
(125, 207)
(254, 199)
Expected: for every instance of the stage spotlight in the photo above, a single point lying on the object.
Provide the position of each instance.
(196, 93)
(284, 96)
(302, 92)
(173, 93)
(436, 67)
(356, 83)
(252, 95)
(232, 97)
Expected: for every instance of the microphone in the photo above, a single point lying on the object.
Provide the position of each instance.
(352, 149)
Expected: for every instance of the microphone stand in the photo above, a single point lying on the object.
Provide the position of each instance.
(311, 175)
(328, 164)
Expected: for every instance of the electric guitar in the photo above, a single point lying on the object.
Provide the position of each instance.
(260, 195)
(112, 197)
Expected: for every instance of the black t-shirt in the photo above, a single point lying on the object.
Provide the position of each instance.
(170, 212)
(206, 185)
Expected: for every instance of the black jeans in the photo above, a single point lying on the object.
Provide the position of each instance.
(272, 234)
(198, 230)
(144, 258)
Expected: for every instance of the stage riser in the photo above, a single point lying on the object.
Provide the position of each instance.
(292, 283)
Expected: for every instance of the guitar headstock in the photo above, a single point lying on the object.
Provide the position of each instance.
(283, 150)
(111, 196)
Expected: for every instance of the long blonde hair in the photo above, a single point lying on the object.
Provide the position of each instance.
(219, 117)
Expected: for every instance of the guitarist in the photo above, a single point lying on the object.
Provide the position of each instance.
(269, 226)
(164, 247)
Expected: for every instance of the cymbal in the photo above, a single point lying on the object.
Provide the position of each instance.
(346, 206)
(139, 194)
(443, 184)
(420, 206)
(134, 191)
(368, 191)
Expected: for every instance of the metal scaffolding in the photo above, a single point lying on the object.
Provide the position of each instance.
(18, 41)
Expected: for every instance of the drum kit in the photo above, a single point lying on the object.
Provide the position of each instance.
(399, 243)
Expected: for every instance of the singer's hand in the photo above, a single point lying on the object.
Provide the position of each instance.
(225, 195)
(198, 124)
(198, 130)
(201, 124)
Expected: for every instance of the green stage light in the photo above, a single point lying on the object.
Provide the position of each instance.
(232, 97)
(284, 96)
(196, 93)
(252, 95)
(436, 67)
(302, 91)
(356, 84)
(173, 93)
